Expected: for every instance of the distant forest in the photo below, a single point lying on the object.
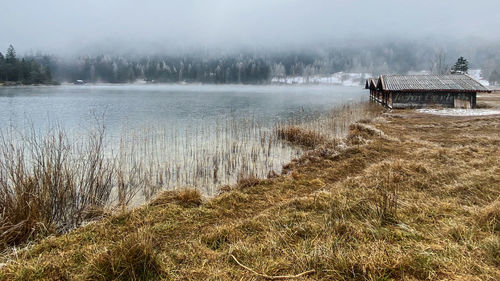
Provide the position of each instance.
(250, 67)
(27, 70)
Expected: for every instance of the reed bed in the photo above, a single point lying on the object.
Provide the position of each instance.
(53, 181)
(49, 184)
(209, 155)
(205, 156)
(314, 128)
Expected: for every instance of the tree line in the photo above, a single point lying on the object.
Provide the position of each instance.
(246, 67)
(261, 66)
(27, 70)
(239, 67)
(167, 69)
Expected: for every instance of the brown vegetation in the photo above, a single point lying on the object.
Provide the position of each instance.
(132, 258)
(409, 197)
(52, 183)
(489, 100)
(300, 136)
(187, 197)
(49, 186)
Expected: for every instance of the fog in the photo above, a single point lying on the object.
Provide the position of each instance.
(71, 27)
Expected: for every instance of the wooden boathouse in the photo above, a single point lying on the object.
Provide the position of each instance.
(418, 91)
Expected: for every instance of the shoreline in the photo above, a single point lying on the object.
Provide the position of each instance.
(315, 201)
(180, 84)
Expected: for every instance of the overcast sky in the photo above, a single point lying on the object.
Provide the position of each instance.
(69, 26)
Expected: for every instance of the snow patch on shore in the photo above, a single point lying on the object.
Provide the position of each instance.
(478, 75)
(355, 79)
(339, 78)
(459, 112)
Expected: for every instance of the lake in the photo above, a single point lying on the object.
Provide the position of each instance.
(136, 105)
(180, 135)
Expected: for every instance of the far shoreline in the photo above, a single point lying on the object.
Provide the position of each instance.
(175, 84)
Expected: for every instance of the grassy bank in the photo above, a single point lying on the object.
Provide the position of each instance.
(53, 180)
(406, 196)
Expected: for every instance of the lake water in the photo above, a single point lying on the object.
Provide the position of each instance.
(138, 105)
(181, 135)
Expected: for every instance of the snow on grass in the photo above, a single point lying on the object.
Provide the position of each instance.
(459, 112)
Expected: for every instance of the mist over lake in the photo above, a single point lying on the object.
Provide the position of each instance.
(135, 106)
(203, 136)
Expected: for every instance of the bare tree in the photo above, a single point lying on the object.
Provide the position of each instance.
(439, 65)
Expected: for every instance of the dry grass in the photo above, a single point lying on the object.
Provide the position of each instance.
(300, 136)
(411, 197)
(489, 100)
(489, 217)
(49, 185)
(247, 181)
(132, 258)
(187, 197)
(52, 183)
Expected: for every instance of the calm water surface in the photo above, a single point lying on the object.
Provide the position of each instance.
(134, 106)
(178, 135)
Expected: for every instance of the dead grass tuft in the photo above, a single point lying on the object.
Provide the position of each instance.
(132, 258)
(491, 246)
(247, 181)
(187, 197)
(300, 136)
(218, 238)
(489, 217)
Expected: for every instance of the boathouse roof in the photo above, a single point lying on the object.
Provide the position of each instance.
(430, 83)
(371, 83)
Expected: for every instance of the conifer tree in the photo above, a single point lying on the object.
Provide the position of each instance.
(2, 67)
(461, 66)
(10, 56)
